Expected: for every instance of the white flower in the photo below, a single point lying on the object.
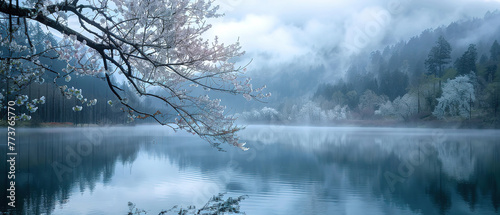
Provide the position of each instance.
(42, 100)
(247, 97)
(110, 102)
(68, 78)
(21, 99)
(25, 117)
(92, 102)
(77, 108)
(31, 108)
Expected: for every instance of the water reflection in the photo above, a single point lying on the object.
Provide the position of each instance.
(288, 170)
(44, 153)
(427, 171)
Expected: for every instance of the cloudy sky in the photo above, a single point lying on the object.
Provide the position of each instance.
(277, 32)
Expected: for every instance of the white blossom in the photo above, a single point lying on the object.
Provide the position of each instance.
(156, 43)
(77, 108)
(456, 97)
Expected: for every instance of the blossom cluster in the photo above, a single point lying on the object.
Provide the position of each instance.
(70, 92)
(150, 44)
(31, 106)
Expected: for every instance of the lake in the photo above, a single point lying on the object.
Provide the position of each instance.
(288, 170)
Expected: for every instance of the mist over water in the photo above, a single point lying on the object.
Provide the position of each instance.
(302, 170)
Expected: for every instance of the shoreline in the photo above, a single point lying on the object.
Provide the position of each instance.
(465, 124)
(450, 124)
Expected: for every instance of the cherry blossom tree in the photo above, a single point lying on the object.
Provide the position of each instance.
(402, 107)
(150, 44)
(458, 93)
(266, 114)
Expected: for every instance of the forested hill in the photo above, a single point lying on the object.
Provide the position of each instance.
(409, 56)
(382, 84)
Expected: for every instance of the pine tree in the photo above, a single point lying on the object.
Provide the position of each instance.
(495, 52)
(467, 62)
(438, 57)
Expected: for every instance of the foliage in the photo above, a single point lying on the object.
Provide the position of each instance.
(402, 107)
(393, 84)
(438, 57)
(22, 65)
(266, 114)
(370, 100)
(154, 44)
(424, 61)
(467, 62)
(309, 112)
(495, 51)
(215, 206)
(456, 98)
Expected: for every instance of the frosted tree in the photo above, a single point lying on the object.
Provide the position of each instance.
(458, 93)
(311, 112)
(385, 109)
(151, 44)
(369, 102)
(337, 113)
(266, 114)
(402, 107)
(406, 106)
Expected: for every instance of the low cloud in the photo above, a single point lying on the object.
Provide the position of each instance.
(274, 33)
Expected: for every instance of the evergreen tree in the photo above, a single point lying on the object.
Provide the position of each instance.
(467, 62)
(495, 52)
(438, 57)
(393, 84)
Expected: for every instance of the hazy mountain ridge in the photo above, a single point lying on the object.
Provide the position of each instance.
(390, 73)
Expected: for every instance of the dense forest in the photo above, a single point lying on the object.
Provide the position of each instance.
(451, 73)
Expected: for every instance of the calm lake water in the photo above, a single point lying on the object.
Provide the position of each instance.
(288, 170)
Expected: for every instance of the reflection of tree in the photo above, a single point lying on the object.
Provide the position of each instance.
(468, 191)
(38, 189)
(365, 155)
(330, 156)
(320, 162)
(456, 158)
(495, 197)
(440, 196)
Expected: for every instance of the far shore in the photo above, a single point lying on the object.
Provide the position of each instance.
(453, 124)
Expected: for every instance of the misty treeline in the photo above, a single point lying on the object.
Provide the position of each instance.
(448, 73)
